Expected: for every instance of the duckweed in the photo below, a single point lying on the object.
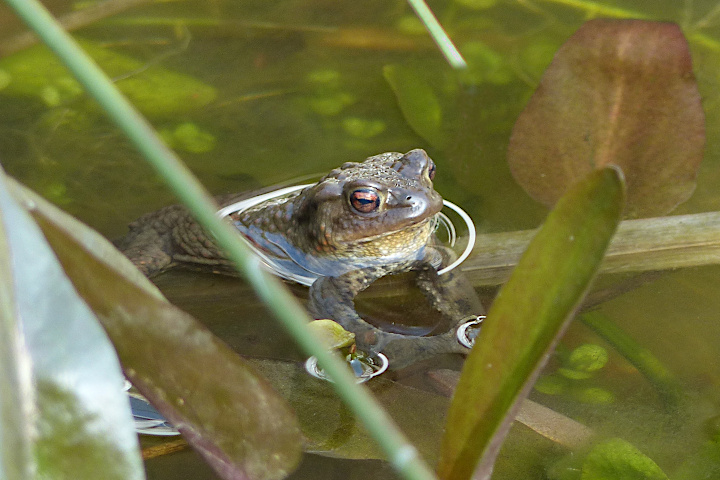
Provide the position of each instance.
(616, 459)
(188, 137)
(594, 396)
(362, 127)
(331, 104)
(587, 358)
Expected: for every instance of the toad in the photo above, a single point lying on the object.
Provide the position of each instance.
(360, 222)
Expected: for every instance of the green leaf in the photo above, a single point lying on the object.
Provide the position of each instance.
(64, 412)
(619, 92)
(156, 91)
(417, 101)
(525, 320)
(616, 459)
(242, 427)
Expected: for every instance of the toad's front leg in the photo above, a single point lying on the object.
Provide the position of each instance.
(333, 297)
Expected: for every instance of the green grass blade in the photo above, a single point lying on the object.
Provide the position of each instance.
(525, 321)
(447, 48)
(400, 453)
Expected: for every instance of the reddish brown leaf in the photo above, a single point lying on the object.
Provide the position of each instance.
(618, 92)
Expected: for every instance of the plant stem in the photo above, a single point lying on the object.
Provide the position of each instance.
(438, 34)
(278, 299)
(647, 244)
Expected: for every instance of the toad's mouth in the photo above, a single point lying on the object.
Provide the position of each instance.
(412, 227)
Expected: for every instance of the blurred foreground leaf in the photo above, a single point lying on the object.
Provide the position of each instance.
(417, 101)
(228, 413)
(64, 414)
(525, 320)
(619, 92)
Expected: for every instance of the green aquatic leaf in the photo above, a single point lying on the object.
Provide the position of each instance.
(188, 137)
(616, 459)
(242, 427)
(525, 320)
(619, 92)
(363, 127)
(584, 361)
(593, 395)
(155, 91)
(64, 413)
(418, 102)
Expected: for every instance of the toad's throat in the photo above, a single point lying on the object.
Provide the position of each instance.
(420, 229)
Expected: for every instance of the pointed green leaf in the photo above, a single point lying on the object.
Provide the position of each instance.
(525, 320)
(242, 427)
(64, 412)
(417, 101)
(619, 92)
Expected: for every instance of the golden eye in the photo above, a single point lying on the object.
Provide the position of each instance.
(365, 200)
(431, 170)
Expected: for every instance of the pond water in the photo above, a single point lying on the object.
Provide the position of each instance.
(254, 93)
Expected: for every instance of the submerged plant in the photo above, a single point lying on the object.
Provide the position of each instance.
(263, 438)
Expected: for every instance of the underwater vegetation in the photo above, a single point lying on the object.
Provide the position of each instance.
(614, 130)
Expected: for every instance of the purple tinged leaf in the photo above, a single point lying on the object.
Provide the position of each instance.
(527, 317)
(619, 92)
(64, 412)
(232, 416)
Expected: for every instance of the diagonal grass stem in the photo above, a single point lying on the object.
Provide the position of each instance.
(276, 297)
(437, 32)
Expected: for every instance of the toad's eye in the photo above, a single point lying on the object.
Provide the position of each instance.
(365, 200)
(431, 170)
